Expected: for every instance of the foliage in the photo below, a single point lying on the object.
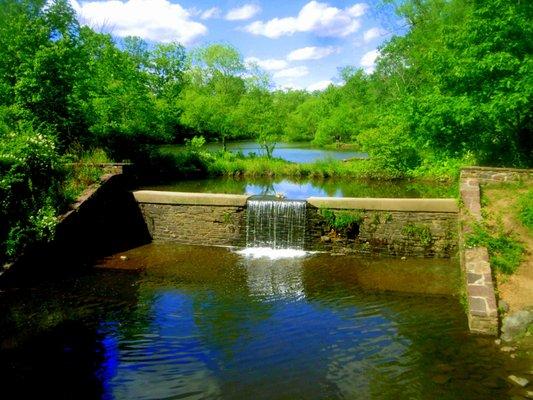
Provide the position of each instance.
(342, 221)
(525, 209)
(84, 171)
(153, 165)
(505, 250)
(456, 89)
(29, 190)
(419, 232)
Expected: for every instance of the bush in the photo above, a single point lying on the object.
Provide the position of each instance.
(344, 222)
(390, 148)
(30, 189)
(153, 165)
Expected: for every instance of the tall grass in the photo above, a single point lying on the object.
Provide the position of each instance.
(85, 170)
(228, 164)
(525, 209)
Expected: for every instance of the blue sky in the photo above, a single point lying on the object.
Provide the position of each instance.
(300, 43)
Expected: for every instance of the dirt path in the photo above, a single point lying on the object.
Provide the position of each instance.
(517, 289)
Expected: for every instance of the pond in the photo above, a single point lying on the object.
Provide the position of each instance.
(304, 188)
(294, 152)
(185, 322)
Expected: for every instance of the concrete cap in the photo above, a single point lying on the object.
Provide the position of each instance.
(420, 205)
(200, 199)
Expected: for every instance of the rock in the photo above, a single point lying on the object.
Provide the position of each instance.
(516, 324)
(325, 239)
(404, 258)
(123, 258)
(517, 380)
(507, 349)
(498, 342)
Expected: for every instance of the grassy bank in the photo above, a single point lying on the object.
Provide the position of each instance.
(506, 227)
(232, 165)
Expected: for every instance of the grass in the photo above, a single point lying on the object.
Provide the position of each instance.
(228, 164)
(83, 173)
(505, 250)
(525, 209)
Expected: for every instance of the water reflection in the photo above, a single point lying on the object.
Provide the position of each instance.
(304, 188)
(282, 279)
(194, 322)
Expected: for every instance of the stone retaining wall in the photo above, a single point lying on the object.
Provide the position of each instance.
(194, 218)
(394, 227)
(495, 175)
(481, 298)
(105, 219)
(397, 227)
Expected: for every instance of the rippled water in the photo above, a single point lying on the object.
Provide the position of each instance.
(175, 322)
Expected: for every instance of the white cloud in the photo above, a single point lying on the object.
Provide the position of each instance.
(241, 13)
(213, 12)
(320, 18)
(311, 53)
(157, 20)
(319, 85)
(295, 72)
(368, 61)
(290, 86)
(357, 10)
(373, 33)
(270, 64)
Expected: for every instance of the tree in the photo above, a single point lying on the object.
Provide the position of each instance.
(215, 87)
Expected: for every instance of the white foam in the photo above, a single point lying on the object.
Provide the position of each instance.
(273, 254)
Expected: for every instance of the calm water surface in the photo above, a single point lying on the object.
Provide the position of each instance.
(184, 322)
(304, 188)
(294, 152)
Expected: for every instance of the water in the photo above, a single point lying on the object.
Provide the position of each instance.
(275, 224)
(186, 322)
(294, 152)
(304, 188)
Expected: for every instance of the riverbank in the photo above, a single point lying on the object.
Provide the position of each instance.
(229, 164)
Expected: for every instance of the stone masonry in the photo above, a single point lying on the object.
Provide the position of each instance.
(194, 218)
(481, 298)
(495, 175)
(397, 227)
(392, 233)
(195, 224)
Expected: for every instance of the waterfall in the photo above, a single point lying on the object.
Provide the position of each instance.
(275, 224)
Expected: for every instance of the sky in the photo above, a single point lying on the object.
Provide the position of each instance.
(301, 44)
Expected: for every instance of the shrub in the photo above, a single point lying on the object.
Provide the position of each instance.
(30, 189)
(345, 222)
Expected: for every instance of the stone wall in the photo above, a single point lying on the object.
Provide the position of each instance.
(480, 295)
(194, 218)
(495, 175)
(105, 219)
(397, 227)
(394, 227)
